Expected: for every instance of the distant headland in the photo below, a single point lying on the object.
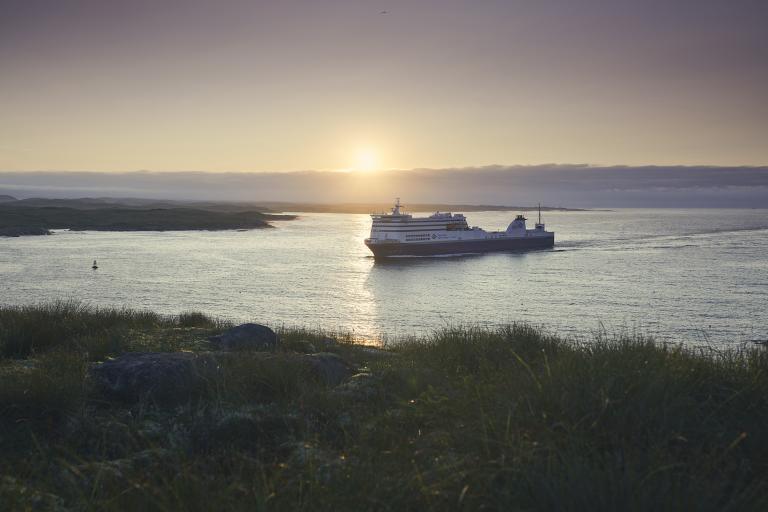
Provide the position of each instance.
(37, 216)
(415, 207)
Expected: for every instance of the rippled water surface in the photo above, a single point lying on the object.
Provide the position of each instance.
(683, 275)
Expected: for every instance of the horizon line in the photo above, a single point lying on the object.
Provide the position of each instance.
(391, 170)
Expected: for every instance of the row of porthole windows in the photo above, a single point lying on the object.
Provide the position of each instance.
(415, 238)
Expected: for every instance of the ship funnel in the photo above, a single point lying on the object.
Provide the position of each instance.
(517, 225)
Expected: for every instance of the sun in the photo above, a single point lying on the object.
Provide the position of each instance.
(366, 159)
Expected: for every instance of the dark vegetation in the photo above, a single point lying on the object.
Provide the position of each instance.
(37, 217)
(467, 419)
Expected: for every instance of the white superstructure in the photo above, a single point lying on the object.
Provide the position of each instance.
(442, 226)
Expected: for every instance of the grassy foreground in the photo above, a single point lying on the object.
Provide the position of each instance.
(467, 419)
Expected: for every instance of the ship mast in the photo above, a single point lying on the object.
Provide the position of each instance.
(396, 209)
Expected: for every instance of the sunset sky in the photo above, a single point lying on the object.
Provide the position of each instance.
(340, 84)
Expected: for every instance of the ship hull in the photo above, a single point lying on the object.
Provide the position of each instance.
(395, 249)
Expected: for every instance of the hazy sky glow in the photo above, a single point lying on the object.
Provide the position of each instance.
(274, 86)
(552, 185)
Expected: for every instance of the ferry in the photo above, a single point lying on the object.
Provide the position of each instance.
(444, 233)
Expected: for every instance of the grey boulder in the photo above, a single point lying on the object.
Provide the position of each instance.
(246, 337)
(159, 376)
(177, 377)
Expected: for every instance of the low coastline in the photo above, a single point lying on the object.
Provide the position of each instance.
(507, 418)
(23, 231)
(366, 208)
(23, 220)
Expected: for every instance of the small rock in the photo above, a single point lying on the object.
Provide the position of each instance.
(303, 346)
(360, 387)
(246, 337)
(330, 368)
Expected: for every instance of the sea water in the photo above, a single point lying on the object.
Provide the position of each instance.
(690, 276)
